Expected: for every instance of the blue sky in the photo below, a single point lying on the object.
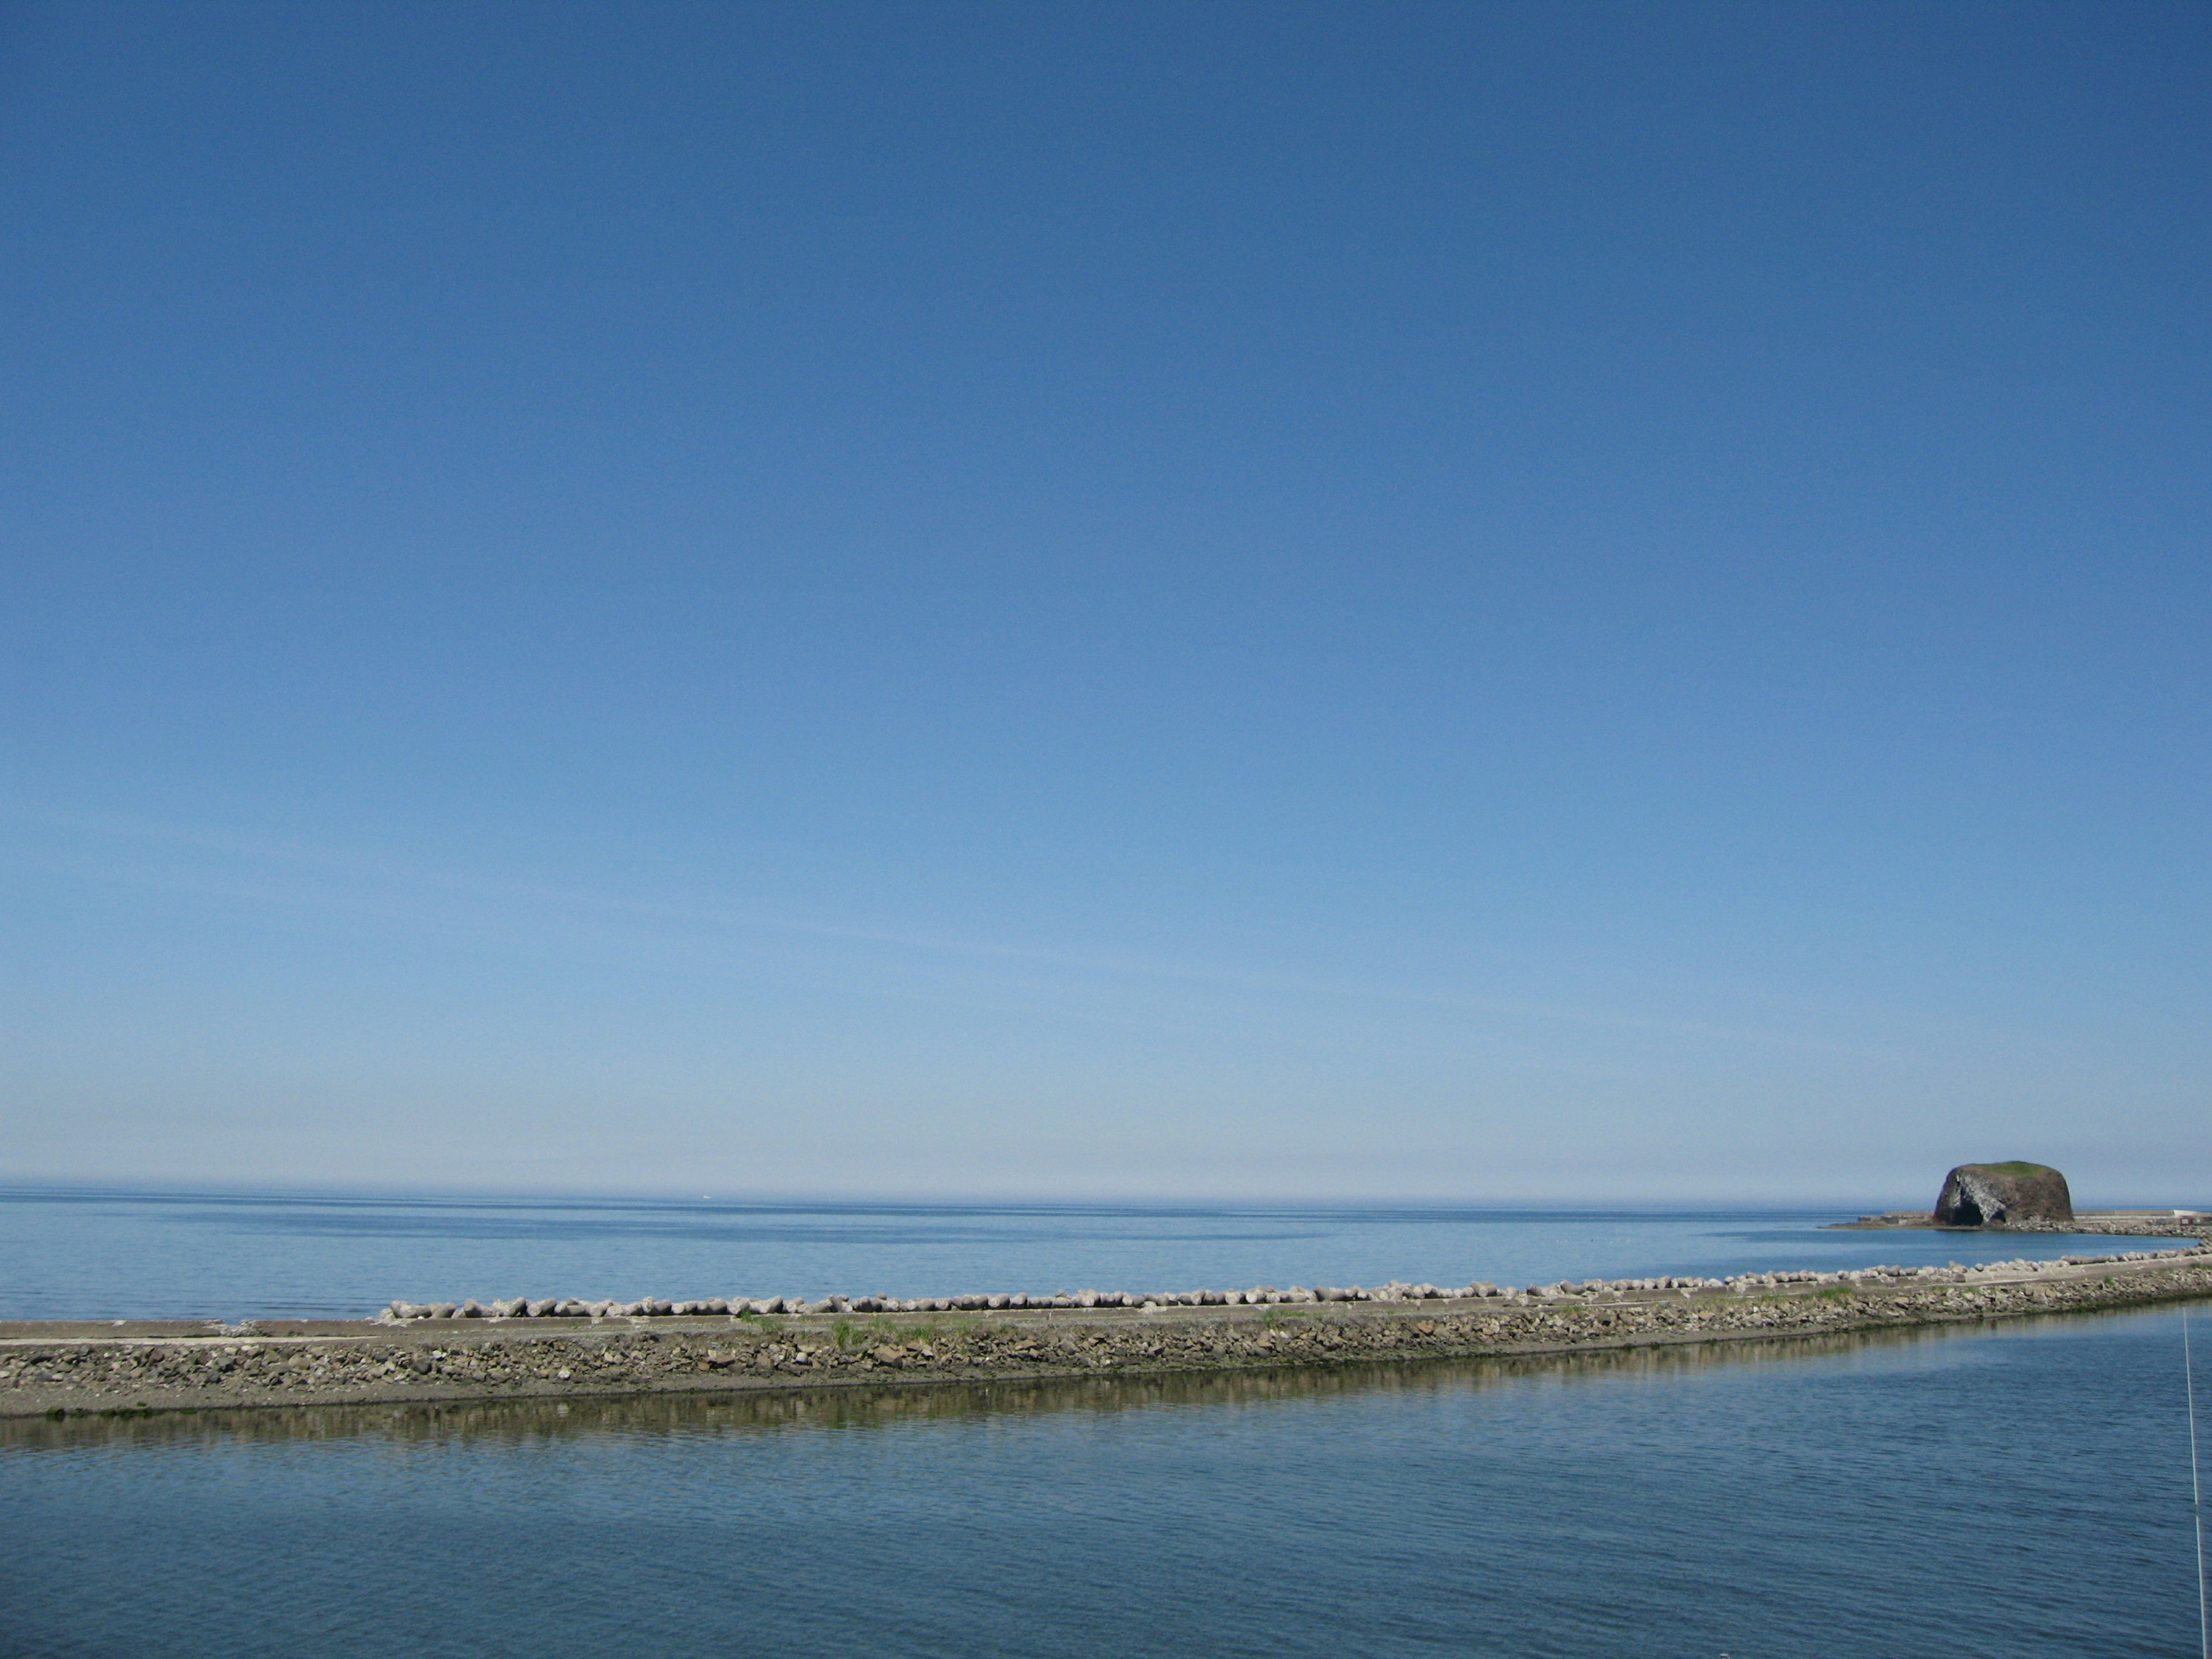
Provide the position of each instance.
(1286, 601)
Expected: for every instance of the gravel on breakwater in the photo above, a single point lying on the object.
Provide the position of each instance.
(518, 1353)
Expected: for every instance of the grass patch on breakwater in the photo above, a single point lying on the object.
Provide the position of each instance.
(849, 1334)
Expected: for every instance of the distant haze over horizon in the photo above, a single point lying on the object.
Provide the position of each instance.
(888, 1200)
(1232, 603)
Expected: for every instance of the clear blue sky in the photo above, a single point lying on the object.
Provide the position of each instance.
(1286, 601)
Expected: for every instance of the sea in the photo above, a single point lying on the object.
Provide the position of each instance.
(2018, 1487)
(105, 1254)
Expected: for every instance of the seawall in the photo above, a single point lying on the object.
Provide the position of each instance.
(143, 1366)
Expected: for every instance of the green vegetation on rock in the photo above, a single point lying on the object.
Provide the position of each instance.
(2017, 1193)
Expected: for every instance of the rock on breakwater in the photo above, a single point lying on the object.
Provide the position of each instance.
(651, 1307)
(1395, 1292)
(124, 1368)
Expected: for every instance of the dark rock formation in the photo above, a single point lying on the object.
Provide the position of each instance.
(2004, 1195)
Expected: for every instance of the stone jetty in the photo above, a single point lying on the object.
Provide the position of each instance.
(523, 1307)
(650, 1307)
(523, 1347)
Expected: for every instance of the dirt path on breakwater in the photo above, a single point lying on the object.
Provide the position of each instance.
(52, 1369)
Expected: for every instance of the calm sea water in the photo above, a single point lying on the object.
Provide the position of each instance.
(2021, 1490)
(130, 1254)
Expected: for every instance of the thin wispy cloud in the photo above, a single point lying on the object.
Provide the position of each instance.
(465, 906)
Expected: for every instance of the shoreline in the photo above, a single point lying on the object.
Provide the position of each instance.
(2107, 1223)
(135, 1368)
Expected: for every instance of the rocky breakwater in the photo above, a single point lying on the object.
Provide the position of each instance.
(511, 1356)
(652, 1307)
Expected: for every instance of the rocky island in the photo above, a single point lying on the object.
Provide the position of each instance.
(2004, 1195)
(2021, 1197)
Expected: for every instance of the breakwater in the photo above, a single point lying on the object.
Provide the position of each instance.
(523, 1307)
(125, 1368)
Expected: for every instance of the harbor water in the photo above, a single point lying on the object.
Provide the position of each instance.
(2008, 1490)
